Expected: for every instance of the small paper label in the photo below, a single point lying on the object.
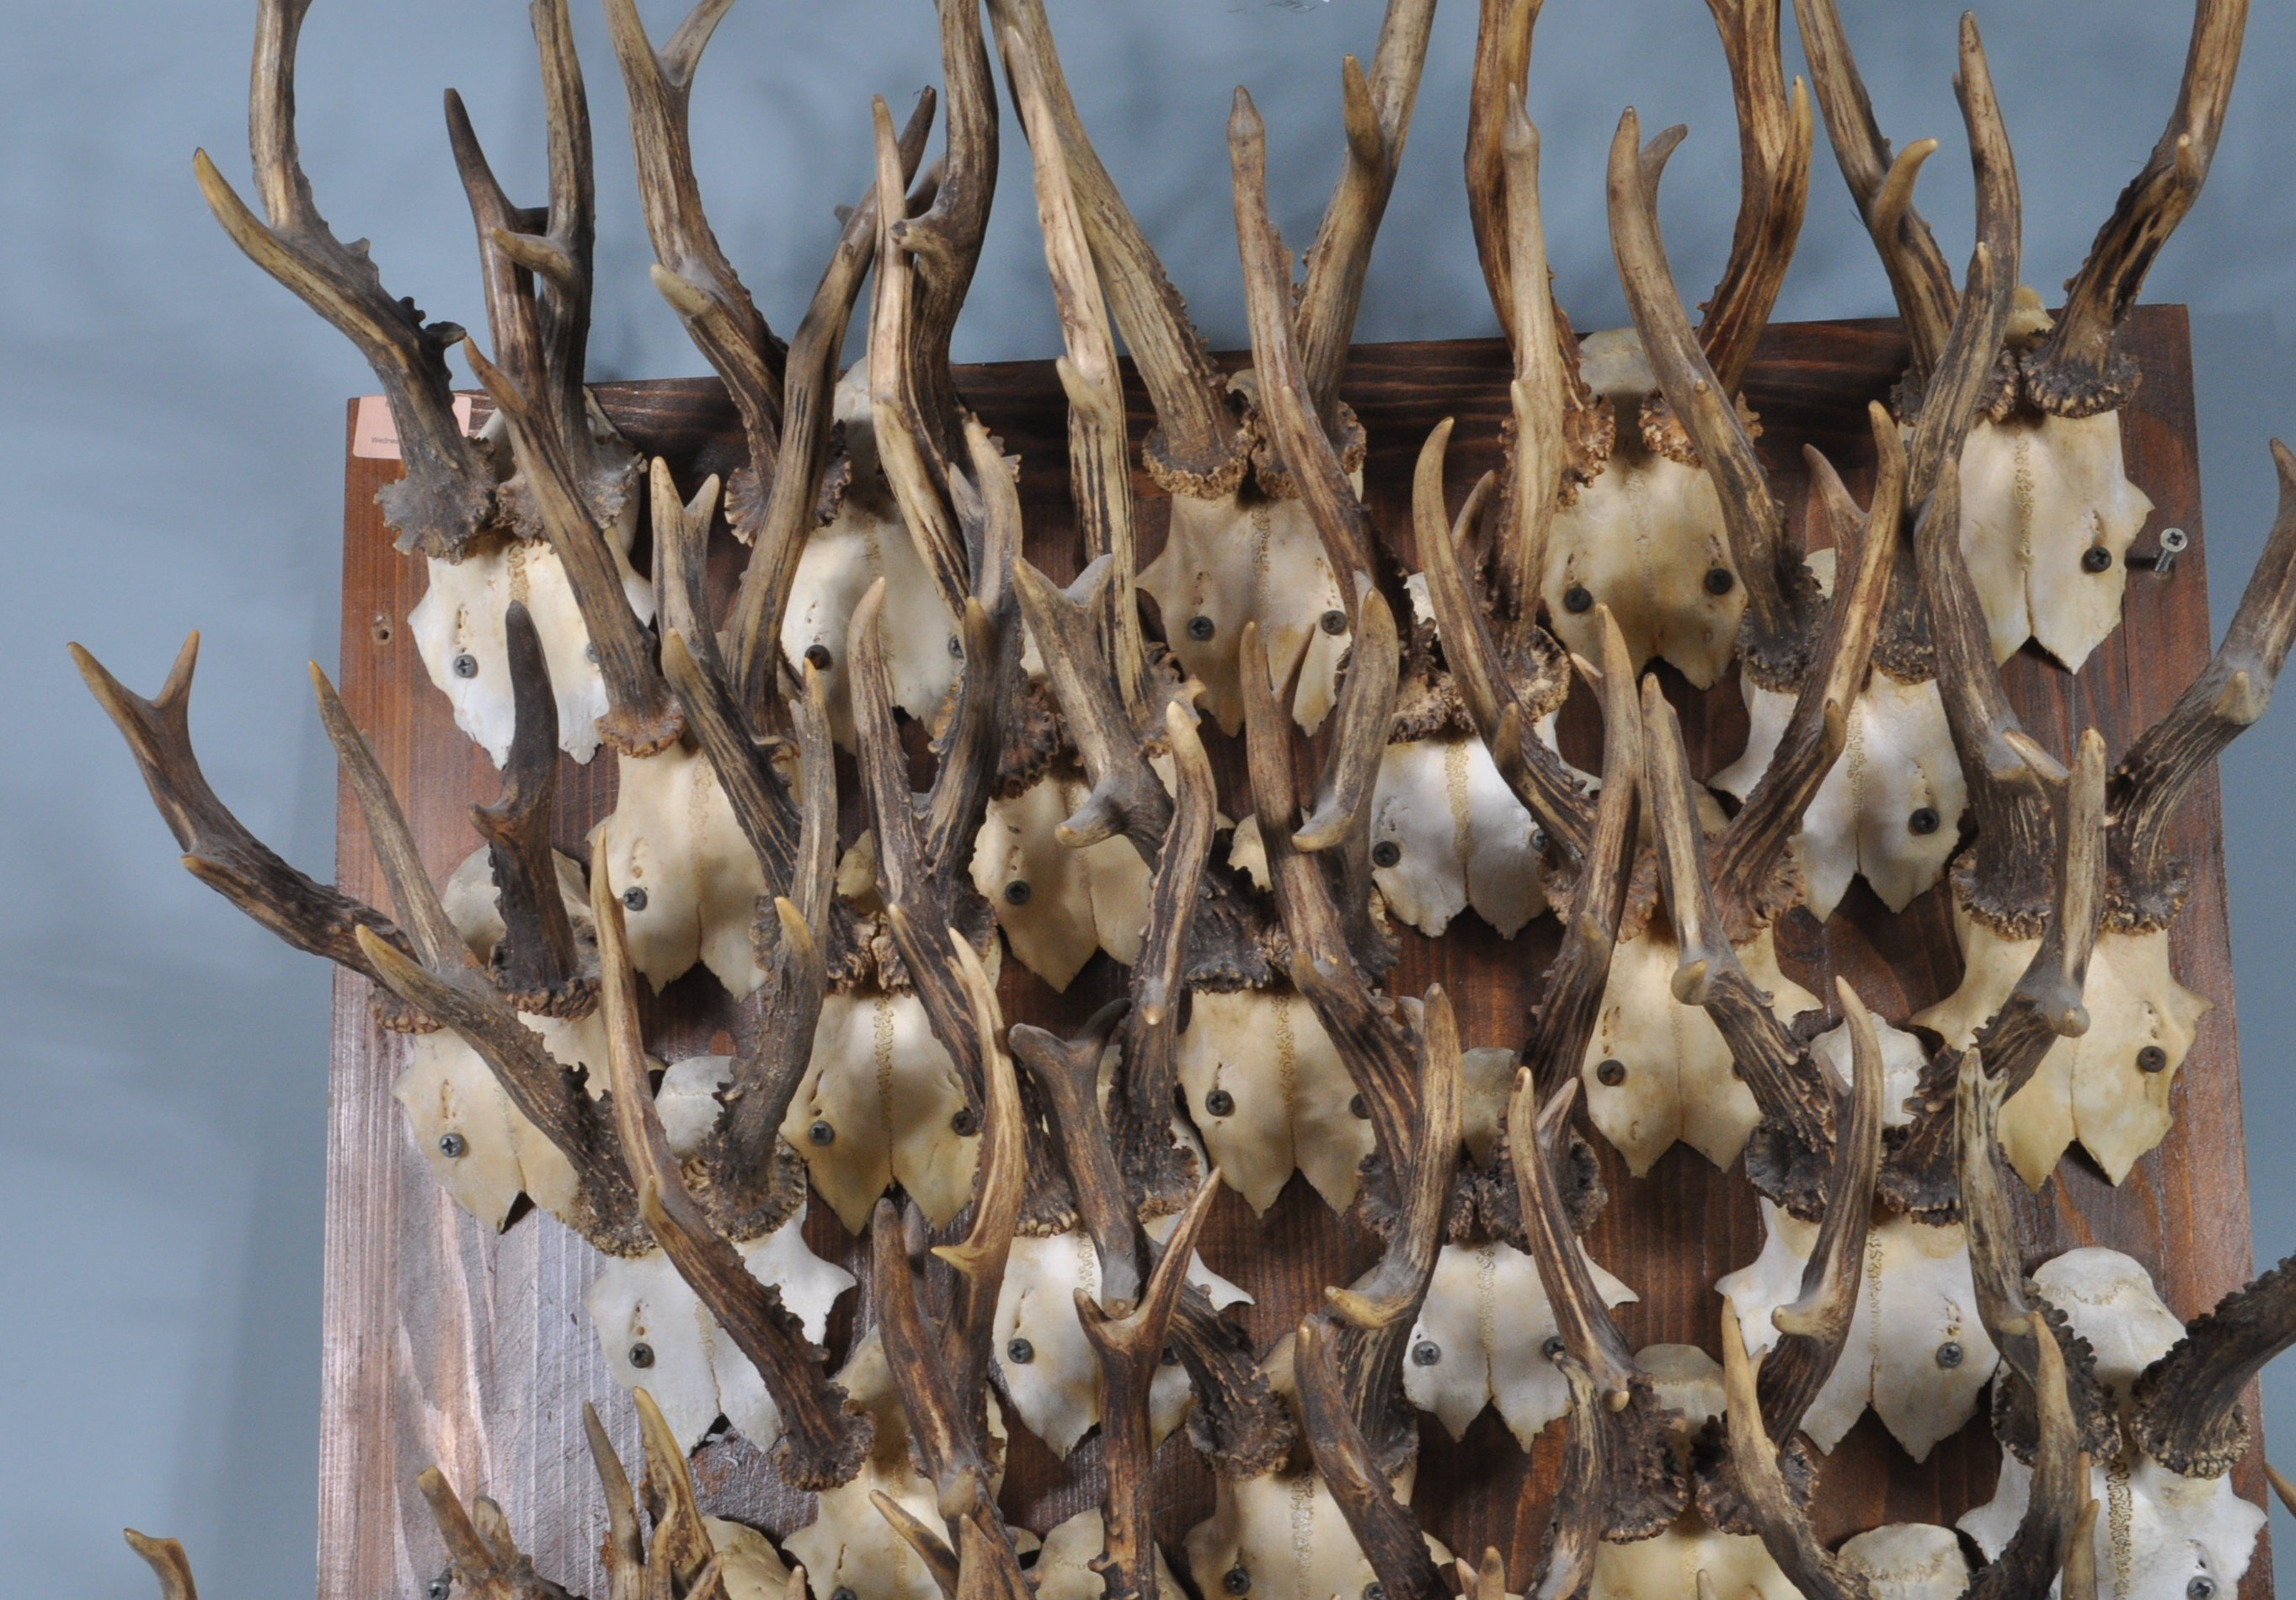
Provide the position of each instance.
(374, 436)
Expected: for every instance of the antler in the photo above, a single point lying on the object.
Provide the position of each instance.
(1776, 633)
(2186, 1404)
(217, 848)
(447, 496)
(2077, 372)
(1761, 1489)
(2229, 695)
(538, 283)
(536, 964)
(1378, 115)
(1774, 138)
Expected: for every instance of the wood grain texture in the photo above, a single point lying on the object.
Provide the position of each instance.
(446, 1344)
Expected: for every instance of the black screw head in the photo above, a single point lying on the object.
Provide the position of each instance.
(1171, 1355)
(965, 1123)
(2151, 1059)
(1553, 1347)
(1426, 1353)
(1021, 1352)
(822, 1133)
(842, 1593)
(1950, 1354)
(1335, 621)
(956, 647)
(1202, 628)
(1924, 821)
(1610, 1073)
(466, 665)
(454, 1146)
(1357, 1107)
(2202, 1588)
(1386, 853)
(1374, 1591)
(1576, 601)
(818, 658)
(1720, 581)
(1235, 1581)
(2097, 558)
(1017, 892)
(1220, 1103)
(634, 899)
(642, 1355)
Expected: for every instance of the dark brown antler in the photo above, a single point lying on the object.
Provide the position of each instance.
(2077, 372)
(1504, 704)
(1774, 138)
(1778, 630)
(221, 853)
(2228, 697)
(641, 718)
(536, 265)
(536, 964)
(447, 496)
(1880, 184)
(2059, 1514)
(1197, 447)
(1384, 1527)
(2186, 1404)
(1761, 1488)
(1377, 109)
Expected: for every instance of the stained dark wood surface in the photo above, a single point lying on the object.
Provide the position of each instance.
(448, 1344)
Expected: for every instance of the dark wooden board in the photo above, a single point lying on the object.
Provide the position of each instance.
(448, 1344)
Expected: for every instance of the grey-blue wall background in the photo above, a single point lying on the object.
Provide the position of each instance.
(170, 440)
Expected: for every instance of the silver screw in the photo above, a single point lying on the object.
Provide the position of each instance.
(2174, 543)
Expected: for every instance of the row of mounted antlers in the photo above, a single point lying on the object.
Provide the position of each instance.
(1073, 809)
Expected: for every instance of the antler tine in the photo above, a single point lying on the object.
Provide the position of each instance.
(691, 270)
(1698, 933)
(823, 1442)
(1131, 1346)
(1592, 1464)
(1378, 114)
(1066, 1074)
(478, 1565)
(989, 694)
(167, 1561)
(1775, 640)
(1814, 1328)
(1753, 1463)
(2059, 1515)
(1545, 386)
(1745, 862)
(447, 494)
(2228, 697)
(939, 1561)
(1197, 447)
(625, 1545)
(536, 964)
(1535, 775)
(1774, 140)
(1572, 996)
(1965, 363)
(2077, 372)
(793, 504)
(1384, 1529)
(1880, 184)
(1287, 404)
(1339, 812)
(681, 1544)
(217, 848)
(1588, 1333)
(942, 246)
(1495, 92)
(1127, 796)
(1002, 1178)
(2186, 1404)
(640, 718)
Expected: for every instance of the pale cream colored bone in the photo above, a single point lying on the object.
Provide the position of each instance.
(1680, 1083)
(690, 880)
(1481, 1339)
(656, 1336)
(1069, 903)
(1903, 1057)
(462, 615)
(1266, 1051)
(2037, 493)
(2157, 1531)
(479, 1146)
(889, 1097)
(749, 1566)
(1641, 540)
(1910, 1561)
(1915, 1352)
(1461, 837)
(865, 541)
(2093, 1087)
(1286, 1532)
(1056, 1391)
(1063, 1569)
